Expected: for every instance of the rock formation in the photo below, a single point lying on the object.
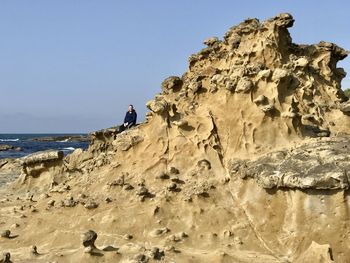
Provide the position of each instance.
(65, 138)
(5, 147)
(242, 159)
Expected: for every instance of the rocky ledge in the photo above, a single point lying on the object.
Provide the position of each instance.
(319, 164)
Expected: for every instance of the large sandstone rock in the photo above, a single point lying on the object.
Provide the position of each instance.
(242, 159)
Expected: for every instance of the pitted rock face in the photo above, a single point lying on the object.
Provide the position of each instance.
(254, 111)
(300, 84)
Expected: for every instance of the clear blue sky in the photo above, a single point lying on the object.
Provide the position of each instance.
(74, 66)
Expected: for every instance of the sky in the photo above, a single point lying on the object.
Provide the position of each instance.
(70, 66)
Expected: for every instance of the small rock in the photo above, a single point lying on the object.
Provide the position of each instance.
(5, 234)
(244, 85)
(69, 202)
(156, 253)
(227, 233)
(174, 170)
(34, 250)
(204, 164)
(141, 258)
(143, 191)
(127, 237)
(88, 250)
(177, 237)
(15, 225)
(6, 256)
(51, 203)
(91, 205)
(128, 187)
(159, 231)
(44, 196)
(260, 100)
(172, 187)
(29, 197)
(210, 41)
(163, 176)
(141, 182)
(156, 210)
(172, 83)
(89, 238)
(108, 200)
(268, 108)
(82, 196)
(238, 241)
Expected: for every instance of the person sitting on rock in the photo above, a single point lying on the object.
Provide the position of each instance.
(130, 119)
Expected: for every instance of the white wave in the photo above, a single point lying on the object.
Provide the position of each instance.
(9, 140)
(65, 140)
(68, 149)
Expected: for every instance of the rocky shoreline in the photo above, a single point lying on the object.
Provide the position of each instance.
(6, 147)
(66, 138)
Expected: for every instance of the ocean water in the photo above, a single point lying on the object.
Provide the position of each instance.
(28, 146)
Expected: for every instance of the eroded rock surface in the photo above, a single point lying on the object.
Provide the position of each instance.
(243, 158)
(318, 164)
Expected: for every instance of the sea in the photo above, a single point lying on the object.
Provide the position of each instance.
(28, 146)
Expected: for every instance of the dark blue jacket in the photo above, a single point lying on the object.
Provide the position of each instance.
(130, 117)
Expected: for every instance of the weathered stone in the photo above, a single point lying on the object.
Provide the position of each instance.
(210, 41)
(279, 74)
(6, 258)
(34, 250)
(260, 100)
(345, 107)
(301, 62)
(244, 85)
(311, 165)
(89, 239)
(5, 233)
(204, 164)
(91, 205)
(172, 83)
(157, 106)
(42, 157)
(316, 253)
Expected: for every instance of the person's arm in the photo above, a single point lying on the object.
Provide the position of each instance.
(134, 118)
(125, 118)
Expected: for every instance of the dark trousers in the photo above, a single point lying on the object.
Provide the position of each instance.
(123, 128)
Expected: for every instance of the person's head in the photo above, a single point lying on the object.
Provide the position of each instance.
(131, 108)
